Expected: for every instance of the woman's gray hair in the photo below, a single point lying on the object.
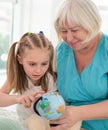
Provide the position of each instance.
(83, 13)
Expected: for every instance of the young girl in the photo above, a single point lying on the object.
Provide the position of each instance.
(29, 69)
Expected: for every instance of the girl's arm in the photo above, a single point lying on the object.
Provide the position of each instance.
(5, 88)
(26, 100)
(5, 98)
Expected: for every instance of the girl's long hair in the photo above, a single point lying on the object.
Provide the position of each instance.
(15, 73)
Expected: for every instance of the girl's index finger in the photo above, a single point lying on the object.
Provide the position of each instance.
(37, 93)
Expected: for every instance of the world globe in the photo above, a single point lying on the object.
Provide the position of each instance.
(50, 106)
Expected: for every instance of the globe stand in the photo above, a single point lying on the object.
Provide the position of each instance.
(52, 125)
(34, 106)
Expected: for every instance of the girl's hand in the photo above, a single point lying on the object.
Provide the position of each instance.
(68, 119)
(28, 99)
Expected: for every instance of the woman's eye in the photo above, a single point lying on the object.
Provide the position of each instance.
(74, 30)
(63, 31)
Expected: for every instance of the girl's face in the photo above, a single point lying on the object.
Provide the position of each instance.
(74, 36)
(35, 63)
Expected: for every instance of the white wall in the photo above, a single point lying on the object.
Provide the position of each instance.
(36, 15)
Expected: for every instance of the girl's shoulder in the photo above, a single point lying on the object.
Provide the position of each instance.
(52, 84)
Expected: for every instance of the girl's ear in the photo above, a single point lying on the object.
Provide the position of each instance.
(19, 59)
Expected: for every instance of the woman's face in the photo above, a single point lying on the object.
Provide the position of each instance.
(74, 36)
(35, 63)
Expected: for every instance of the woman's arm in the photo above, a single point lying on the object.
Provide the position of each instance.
(74, 114)
(94, 111)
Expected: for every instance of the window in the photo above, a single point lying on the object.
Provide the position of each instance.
(103, 7)
(6, 33)
(31, 15)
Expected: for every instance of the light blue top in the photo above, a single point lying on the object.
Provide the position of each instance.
(90, 86)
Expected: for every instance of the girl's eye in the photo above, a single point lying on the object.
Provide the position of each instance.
(32, 64)
(44, 64)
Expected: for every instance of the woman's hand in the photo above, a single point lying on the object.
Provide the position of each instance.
(28, 99)
(68, 119)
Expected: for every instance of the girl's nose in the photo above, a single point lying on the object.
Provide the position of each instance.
(38, 69)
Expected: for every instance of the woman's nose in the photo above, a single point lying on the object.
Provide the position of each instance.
(69, 37)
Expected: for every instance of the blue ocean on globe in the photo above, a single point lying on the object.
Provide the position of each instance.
(51, 106)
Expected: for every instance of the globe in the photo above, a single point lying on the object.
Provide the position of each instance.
(50, 106)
